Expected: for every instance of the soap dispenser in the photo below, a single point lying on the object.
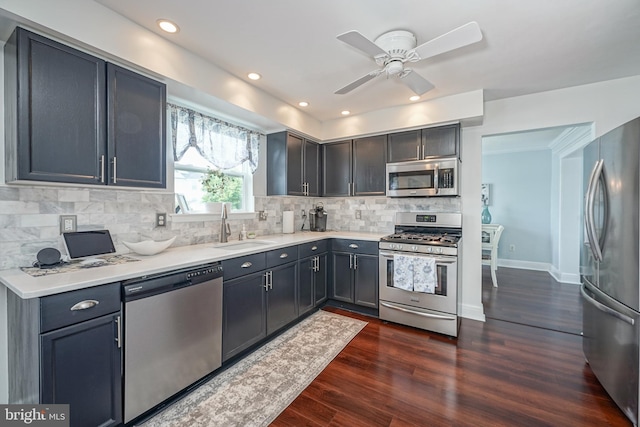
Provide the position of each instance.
(243, 233)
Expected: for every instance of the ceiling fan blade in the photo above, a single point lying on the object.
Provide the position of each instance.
(361, 43)
(362, 80)
(462, 36)
(416, 82)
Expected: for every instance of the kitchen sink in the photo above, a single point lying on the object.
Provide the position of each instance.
(238, 246)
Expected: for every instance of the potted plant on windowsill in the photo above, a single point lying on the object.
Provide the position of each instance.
(219, 188)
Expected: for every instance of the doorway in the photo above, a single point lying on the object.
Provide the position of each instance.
(535, 185)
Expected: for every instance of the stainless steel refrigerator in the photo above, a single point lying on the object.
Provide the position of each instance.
(609, 263)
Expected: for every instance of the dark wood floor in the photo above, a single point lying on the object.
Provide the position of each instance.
(496, 373)
(532, 298)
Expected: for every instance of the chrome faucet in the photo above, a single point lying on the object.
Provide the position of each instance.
(225, 229)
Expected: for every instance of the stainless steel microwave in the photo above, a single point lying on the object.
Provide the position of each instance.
(430, 177)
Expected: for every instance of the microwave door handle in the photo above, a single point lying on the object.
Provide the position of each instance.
(436, 172)
(590, 226)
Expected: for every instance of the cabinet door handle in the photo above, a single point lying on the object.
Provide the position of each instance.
(353, 246)
(314, 248)
(85, 305)
(355, 262)
(284, 255)
(118, 333)
(266, 281)
(102, 169)
(270, 273)
(115, 168)
(350, 261)
(418, 151)
(246, 265)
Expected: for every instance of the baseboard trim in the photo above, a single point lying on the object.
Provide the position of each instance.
(570, 278)
(473, 312)
(524, 265)
(541, 266)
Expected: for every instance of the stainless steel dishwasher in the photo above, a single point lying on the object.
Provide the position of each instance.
(172, 334)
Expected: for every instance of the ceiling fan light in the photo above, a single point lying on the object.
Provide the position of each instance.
(394, 67)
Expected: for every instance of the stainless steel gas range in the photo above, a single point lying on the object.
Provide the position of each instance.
(420, 271)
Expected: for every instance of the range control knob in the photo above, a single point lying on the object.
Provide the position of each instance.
(429, 249)
(438, 250)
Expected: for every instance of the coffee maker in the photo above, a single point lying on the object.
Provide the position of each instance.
(318, 218)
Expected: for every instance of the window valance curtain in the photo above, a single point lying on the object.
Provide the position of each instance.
(223, 144)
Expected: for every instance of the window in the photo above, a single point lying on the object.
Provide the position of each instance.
(189, 173)
(214, 161)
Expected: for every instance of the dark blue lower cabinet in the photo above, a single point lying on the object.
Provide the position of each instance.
(244, 313)
(81, 366)
(256, 305)
(320, 279)
(282, 305)
(312, 282)
(355, 278)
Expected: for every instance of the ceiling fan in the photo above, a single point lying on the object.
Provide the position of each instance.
(392, 49)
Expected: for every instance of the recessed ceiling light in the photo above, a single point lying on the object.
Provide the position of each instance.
(414, 98)
(168, 26)
(345, 112)
(303, 103)
(254, 76)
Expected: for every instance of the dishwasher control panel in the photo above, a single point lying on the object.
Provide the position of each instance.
(214, 270)
(164, 282)
(203, 274)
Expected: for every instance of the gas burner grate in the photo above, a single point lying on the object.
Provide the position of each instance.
(429, 238)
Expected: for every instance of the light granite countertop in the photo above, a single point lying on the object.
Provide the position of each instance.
(27, 286)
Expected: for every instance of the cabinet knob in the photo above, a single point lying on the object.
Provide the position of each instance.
(314, 248)
(84, 305)
(284, 255)
(353, 246)
(246, 265)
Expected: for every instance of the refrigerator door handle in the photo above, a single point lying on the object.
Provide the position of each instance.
(594, 244)
(606, 309)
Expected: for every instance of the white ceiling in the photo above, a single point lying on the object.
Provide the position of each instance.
(528, 46)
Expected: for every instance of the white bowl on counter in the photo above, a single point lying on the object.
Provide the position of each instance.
(149, 247)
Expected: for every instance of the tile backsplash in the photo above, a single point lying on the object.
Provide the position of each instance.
(30, 215)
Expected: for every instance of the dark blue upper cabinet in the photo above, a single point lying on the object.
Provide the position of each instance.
(137, 123)
(71, 117)
(55, 118)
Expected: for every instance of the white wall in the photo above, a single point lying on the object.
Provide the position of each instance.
(566, 263)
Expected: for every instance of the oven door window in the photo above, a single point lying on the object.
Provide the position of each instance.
(441, 275)
(414, 180)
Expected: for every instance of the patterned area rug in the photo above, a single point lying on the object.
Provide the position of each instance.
(255, 390)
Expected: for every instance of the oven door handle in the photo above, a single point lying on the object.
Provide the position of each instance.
(439, 260)
(419, 313)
